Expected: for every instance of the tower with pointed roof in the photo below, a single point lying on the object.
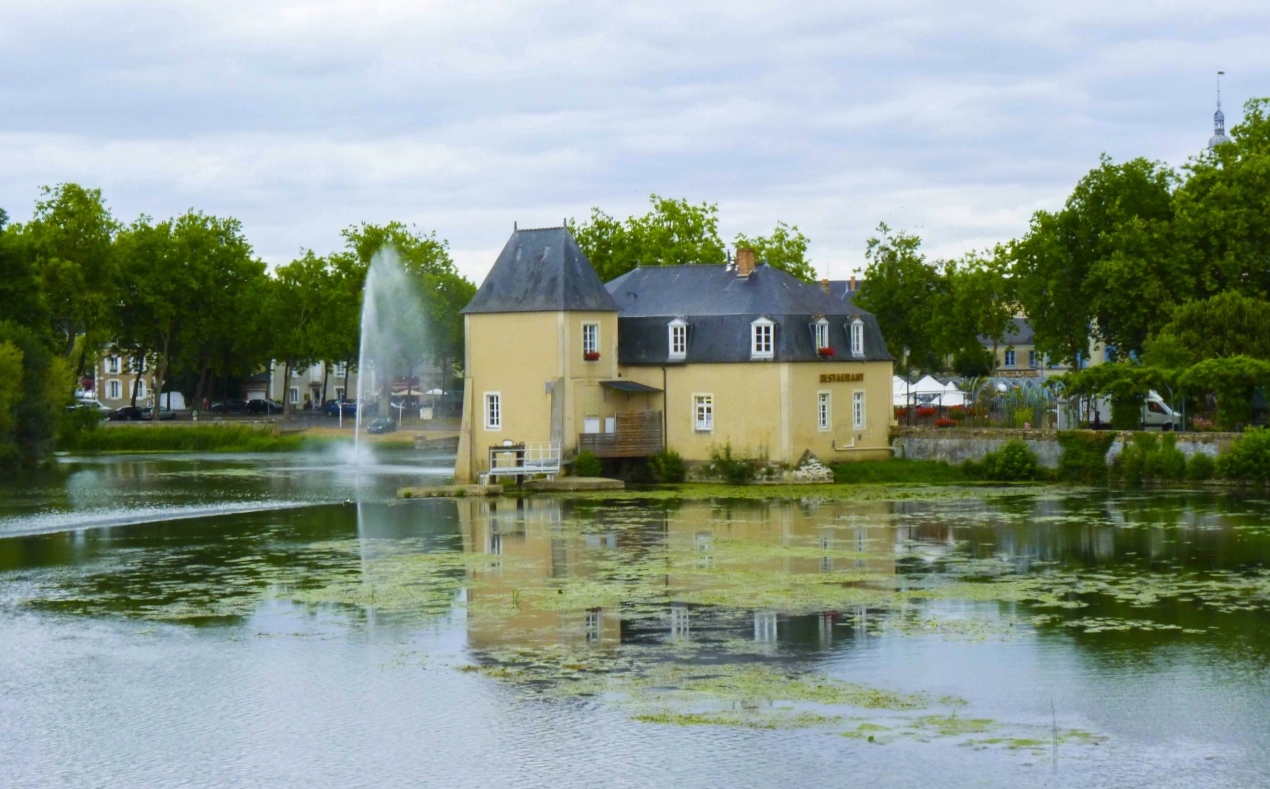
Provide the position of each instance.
(540, 337)
(1219, 120)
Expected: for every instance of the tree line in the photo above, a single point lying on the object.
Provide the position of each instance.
(187, 299)
(1168, 269)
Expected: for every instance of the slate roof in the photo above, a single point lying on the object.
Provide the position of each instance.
(719, 307)
(1019, 333)
(541, 270)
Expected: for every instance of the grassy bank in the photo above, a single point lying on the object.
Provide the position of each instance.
(209, 438)
(899, 472)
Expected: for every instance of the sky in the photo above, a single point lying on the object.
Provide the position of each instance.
(952, 120)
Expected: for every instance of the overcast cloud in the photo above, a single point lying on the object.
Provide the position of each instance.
(956, 121)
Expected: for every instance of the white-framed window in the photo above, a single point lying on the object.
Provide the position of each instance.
(112, 365)
(341, 369)
(590, 341)
(857, 337)
(339, 393)
(493, 411)
(1031, 359)
(762, 332)
(590, 424)
(1009, 358)
(678, 339)
(114, 390)
(824, 410)
(822, 334)
(294, 395)
(703, 412)
(141, 388)
(857, 408)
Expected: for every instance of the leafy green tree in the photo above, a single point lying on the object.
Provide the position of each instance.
(178, 278)
(37, 384)
(784, 248)
(295, 302)
(974, 300)
(444, 292)
(901, 289)
(72, 238)
(672, 233)
(1223, 210)
(1232, 380)
(1228, 324)
(21, 294)
(1103, 265)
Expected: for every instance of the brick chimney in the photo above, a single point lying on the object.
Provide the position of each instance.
(824, 285)
(853, 283)
(744, 262)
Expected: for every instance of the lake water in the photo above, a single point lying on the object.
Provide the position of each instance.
(284, 621)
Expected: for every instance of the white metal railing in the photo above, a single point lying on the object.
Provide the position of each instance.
(525, 459)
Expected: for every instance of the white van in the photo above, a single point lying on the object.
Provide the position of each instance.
(1156, 415)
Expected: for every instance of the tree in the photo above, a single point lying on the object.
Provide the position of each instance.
(900, 288)
(177, 286)
(1232, 380)
(679, 233)
(974, 302)
(1228, 324)
(785, 248)
(36, 386)
(21, 295)
(1223, 210)
(672, 233)
(443, 291)
(72, 236)
(293, 302)
(1102, 266)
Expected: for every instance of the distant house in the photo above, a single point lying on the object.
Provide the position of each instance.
(1018, 357)
(687, 358)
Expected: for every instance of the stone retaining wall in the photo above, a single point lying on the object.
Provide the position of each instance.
(957, 445)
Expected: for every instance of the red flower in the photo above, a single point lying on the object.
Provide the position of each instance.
(924, 411)
(901, 412)
(945, 422)
(591, 356)
(825, 352)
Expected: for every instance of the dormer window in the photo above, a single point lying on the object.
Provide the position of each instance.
(762, 332)
(678, 339)
(822, 334)
(857, 337)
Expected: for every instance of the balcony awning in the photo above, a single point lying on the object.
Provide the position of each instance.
(629, 386)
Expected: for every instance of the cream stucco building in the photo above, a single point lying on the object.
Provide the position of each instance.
(668, 357)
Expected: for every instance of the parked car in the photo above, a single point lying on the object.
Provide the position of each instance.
(129, 413)
(104, 411)
(333, 407)
(383, 424)
(230, 407)
(165, 414)
(263, 407)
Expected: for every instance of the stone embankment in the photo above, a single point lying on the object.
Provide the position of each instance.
(957, 445)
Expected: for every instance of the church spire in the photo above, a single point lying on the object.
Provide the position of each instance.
(1219, 120)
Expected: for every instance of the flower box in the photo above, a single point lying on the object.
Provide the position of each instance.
(591, 356)
(825, 352)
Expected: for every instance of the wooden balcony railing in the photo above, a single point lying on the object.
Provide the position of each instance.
(638, 434)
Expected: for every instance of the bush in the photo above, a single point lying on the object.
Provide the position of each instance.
(70, 424)
(1147, 458)
(1084, 457)
(1126, 414)
(945, 422)
(1200, 467)
(957, 412)
(925, 411)
(734, 469)
(1013, 462)
(667, 466)
(1248, 459)
(586, 464)
(1168, 462)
